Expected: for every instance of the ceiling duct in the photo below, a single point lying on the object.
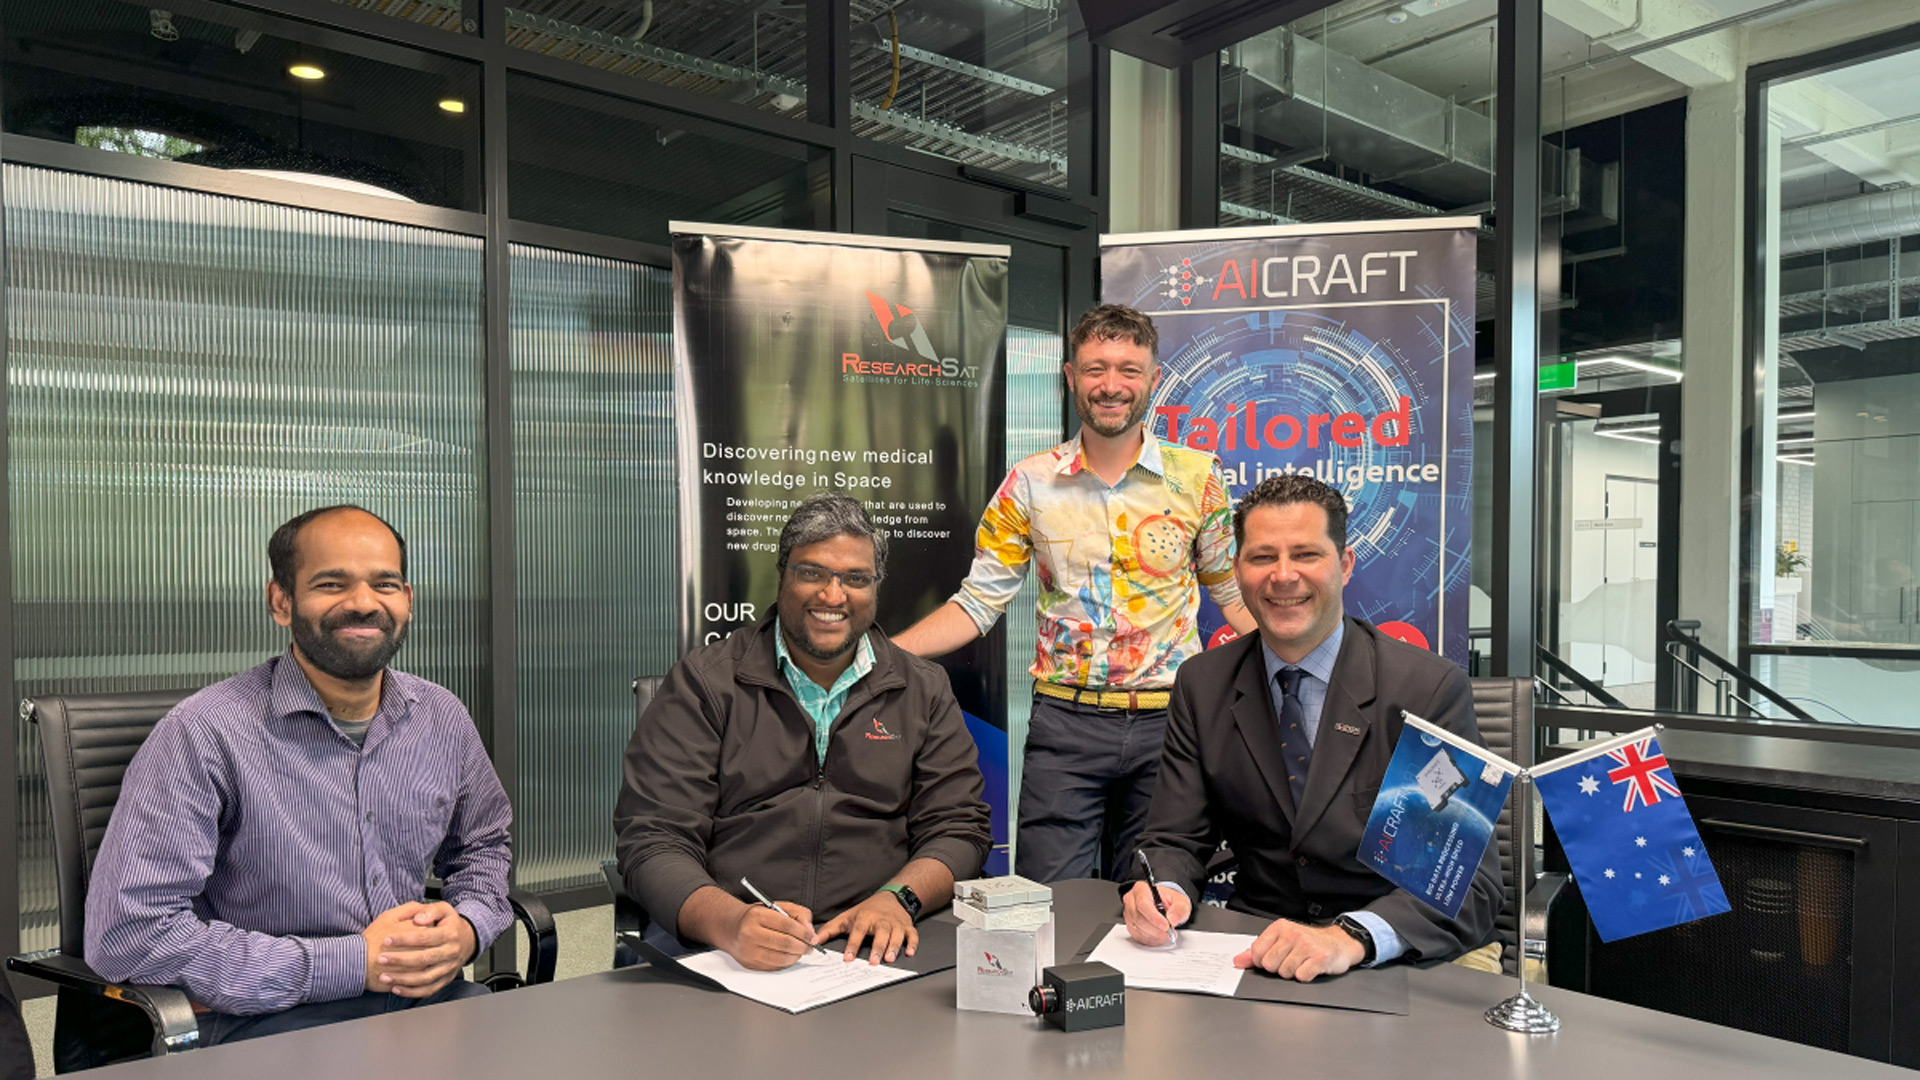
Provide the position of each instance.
(1866, 219)
(1295, 92)
(1174, 33)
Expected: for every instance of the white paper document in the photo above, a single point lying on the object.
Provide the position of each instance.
(1199, 962)
(814, 980)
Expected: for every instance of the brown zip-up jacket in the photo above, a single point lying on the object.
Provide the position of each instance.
(722, 781)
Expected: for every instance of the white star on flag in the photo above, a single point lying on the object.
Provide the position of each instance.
(1636, 875)
(1639, 841)
(1609, 873)
(1588, 785)
(1687, 851)
(1665, 880)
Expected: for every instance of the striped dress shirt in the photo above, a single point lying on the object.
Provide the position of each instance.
(253, 842)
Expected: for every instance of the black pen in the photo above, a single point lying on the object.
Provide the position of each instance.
(1159, 904)
(771, 906)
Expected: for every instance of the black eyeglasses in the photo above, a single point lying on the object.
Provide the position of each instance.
(850, 580)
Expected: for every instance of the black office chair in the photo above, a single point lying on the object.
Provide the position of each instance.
(87, 741)
(1504, 710)
(629, 918)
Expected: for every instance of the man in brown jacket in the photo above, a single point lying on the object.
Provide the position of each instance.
(811, 756)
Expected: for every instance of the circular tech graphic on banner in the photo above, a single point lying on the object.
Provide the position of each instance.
(1274, 371)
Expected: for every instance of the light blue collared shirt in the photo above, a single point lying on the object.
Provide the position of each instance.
(1316, 669)
(822, 704)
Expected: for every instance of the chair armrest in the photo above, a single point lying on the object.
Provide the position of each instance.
(543, 940)
(175, 1028)
(629, 918)
(1540, 900)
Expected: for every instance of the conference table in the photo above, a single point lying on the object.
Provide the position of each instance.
(638, 1023)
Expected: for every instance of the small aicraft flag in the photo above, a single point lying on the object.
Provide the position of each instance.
(1631, 842)
(1435, 814)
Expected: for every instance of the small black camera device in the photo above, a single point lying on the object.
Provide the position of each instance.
(1080, 997)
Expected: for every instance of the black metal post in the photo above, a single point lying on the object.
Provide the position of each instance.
(9, 699)
(501, 727)
(830, 94)
(1517, 330)
(1200, 143)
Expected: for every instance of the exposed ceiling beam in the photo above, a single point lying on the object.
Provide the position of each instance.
(1705, 60)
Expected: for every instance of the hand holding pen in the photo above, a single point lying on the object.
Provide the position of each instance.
(1145, 900)
(804, 938)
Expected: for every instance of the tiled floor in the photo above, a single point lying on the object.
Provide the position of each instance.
(586, 946)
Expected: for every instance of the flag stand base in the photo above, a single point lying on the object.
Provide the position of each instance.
(1523, 1014)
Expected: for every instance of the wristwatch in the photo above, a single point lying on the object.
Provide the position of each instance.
(908, 900)
(1358, 932)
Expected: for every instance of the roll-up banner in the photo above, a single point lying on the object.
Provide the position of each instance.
(1340, 350)
(872, 367)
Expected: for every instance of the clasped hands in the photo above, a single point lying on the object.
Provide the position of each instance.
(765, 940)
(1285, 948)
(416, 949)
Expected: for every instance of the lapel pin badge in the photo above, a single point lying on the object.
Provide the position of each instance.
(1347, 729)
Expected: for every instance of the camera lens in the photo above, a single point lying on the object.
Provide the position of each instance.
(1043, 1000)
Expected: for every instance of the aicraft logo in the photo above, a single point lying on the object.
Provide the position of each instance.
(880, 732)
(904, 331)
(993, 966)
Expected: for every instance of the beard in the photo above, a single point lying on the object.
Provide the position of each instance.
(348, 663)
(1136, 410)
(795, 629)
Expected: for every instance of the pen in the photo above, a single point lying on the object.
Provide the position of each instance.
(1159, 904)
(771, 906)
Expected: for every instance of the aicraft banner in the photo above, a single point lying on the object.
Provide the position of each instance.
(872, 367)
(1340, 350)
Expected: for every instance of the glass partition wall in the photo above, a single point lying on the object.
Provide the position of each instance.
(1831, 599)
(270, 257)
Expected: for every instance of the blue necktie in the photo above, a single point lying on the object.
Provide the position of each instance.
(1293, 733)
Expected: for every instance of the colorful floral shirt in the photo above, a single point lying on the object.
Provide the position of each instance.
(1119, 565)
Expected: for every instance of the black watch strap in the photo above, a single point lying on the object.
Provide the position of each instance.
(1358, 932)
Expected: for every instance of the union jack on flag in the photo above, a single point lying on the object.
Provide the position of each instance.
(1642, 772)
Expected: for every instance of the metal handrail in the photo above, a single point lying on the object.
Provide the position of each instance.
(1588, 686)
(1675, 632)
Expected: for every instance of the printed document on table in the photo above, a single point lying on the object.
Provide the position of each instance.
(814, 980)
(1199, 962)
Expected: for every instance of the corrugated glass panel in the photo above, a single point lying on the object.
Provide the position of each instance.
(185, 372)
(1035, 392)
(596, 574)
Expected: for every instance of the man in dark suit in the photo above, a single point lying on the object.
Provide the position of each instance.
(1277, 743)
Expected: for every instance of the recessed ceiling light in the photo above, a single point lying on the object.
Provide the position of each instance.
(307, 71)
(452, 105)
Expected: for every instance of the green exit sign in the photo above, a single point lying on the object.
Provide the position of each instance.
(1557, 376)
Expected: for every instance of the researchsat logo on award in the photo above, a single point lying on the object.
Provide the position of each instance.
(907, 357)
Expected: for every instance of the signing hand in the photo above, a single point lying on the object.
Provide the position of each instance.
(766, 940)
(1144, 923)
(416, 949)
(881, 916)
(1293, 950)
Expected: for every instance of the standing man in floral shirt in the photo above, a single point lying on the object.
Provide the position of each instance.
(1124, 530)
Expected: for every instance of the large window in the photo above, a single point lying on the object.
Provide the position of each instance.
(186, 372)
(1833, 601)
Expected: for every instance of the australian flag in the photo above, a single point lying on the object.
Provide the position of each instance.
(1629, 838)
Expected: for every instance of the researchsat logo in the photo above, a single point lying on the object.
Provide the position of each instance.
(915, 360)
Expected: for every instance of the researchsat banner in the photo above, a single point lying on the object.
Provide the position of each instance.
(871, 367)
(1340, 350)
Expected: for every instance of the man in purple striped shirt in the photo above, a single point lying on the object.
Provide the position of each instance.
(269, 849)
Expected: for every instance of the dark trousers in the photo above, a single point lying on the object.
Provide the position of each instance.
(16, 1053)
(1084, 789)
(217, 1028)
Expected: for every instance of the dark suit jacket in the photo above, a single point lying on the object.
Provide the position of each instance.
(1221, 777)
